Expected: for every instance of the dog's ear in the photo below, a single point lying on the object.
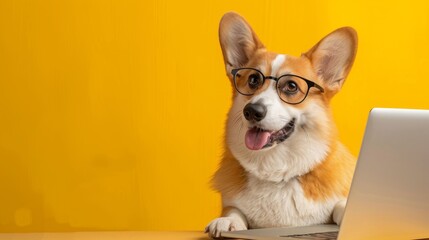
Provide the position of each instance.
(238, 41)
(333, 57)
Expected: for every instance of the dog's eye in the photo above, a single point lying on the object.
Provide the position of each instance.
(254, 80)
(290, 87)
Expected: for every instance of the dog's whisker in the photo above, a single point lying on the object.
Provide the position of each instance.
(237, 122)
(236, 118)
(285, 120)
(241, 127)
(307, 135)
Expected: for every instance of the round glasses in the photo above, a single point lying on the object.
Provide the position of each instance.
(291, 88)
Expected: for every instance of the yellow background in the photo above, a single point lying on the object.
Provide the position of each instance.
(112, 112)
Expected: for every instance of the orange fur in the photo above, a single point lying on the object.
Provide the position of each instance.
(230, 178)
(332, 176)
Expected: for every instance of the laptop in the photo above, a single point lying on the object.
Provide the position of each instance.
(389, 195)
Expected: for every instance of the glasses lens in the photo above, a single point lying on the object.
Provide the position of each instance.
(292, 89)
(247, 81)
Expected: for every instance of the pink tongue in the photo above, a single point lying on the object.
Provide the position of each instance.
(255, 139)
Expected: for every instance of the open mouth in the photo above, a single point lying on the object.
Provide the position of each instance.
(257, 138)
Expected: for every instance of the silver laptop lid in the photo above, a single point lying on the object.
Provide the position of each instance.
(389, 197)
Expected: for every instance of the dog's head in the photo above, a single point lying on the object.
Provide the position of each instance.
(280, 123)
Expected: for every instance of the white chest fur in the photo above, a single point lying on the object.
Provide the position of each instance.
(270, 204)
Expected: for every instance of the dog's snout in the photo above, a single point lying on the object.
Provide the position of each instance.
(254, 111)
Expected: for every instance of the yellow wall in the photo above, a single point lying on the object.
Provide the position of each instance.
(112, 112)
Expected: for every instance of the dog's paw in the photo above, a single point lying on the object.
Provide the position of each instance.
(338, 213)
(224, 224)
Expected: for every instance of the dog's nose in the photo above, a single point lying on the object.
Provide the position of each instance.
(254, 111)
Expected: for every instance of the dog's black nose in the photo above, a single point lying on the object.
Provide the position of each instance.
(254, 111)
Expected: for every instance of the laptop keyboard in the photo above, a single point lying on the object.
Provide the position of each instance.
(316, 236)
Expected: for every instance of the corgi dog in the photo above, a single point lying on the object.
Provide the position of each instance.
(283, 163)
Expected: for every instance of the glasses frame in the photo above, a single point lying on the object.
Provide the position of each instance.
(310, 83)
